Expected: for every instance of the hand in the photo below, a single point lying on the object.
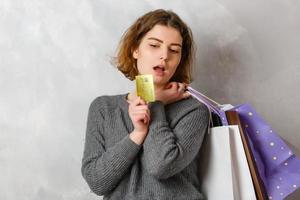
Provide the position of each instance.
(172, 92)
(139, 114)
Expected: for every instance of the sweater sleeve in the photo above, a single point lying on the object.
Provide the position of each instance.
(168, 151)
(103, 168)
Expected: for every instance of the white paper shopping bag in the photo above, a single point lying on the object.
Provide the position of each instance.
(224, 170)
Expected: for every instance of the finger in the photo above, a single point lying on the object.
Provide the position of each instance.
(172, 84)
(186, 85)
(169, 85)
(139, 112)
(144, 115)
(181, 87)
(140, 107)
(146, 118)
(186, 95)
(137, 109)
(135, 101)
(138, 101)
(138, 116)
(142, 102)
(148, 112)
(141, 117)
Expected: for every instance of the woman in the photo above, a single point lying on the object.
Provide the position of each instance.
(138, 150)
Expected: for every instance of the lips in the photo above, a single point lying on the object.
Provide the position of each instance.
(159, 70)
(159, 67)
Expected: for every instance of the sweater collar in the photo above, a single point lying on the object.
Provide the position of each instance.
(123, 102)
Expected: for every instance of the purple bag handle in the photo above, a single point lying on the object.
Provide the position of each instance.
(212, 105)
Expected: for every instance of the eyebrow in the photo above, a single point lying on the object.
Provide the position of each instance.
(156, 39)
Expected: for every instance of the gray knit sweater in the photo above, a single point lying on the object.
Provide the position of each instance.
(164, 167)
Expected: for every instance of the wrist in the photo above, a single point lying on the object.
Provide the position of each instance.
(138, 137)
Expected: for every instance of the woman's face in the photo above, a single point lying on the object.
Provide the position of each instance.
(159, 53)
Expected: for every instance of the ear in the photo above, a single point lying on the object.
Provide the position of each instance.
(135, 54)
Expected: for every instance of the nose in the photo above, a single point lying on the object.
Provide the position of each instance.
(164, 54)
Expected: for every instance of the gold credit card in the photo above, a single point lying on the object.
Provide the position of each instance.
(145, 87)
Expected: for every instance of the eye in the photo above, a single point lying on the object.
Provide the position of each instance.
(154, 45)
(174, 50)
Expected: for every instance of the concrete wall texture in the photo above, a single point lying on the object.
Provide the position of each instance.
(55, 59)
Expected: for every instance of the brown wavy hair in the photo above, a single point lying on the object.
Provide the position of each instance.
(131, 39)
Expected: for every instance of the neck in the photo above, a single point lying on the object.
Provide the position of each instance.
(159, 87)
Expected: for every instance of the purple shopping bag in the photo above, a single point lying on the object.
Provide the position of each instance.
(277, 165)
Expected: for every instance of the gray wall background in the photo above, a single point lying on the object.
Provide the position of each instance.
(55, 59)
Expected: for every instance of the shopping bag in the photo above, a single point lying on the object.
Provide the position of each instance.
(224, 171)
(218, 110)
(274, 168)
(278, 166)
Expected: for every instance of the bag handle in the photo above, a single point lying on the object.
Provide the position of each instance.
(204, 97)
(211, 104)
